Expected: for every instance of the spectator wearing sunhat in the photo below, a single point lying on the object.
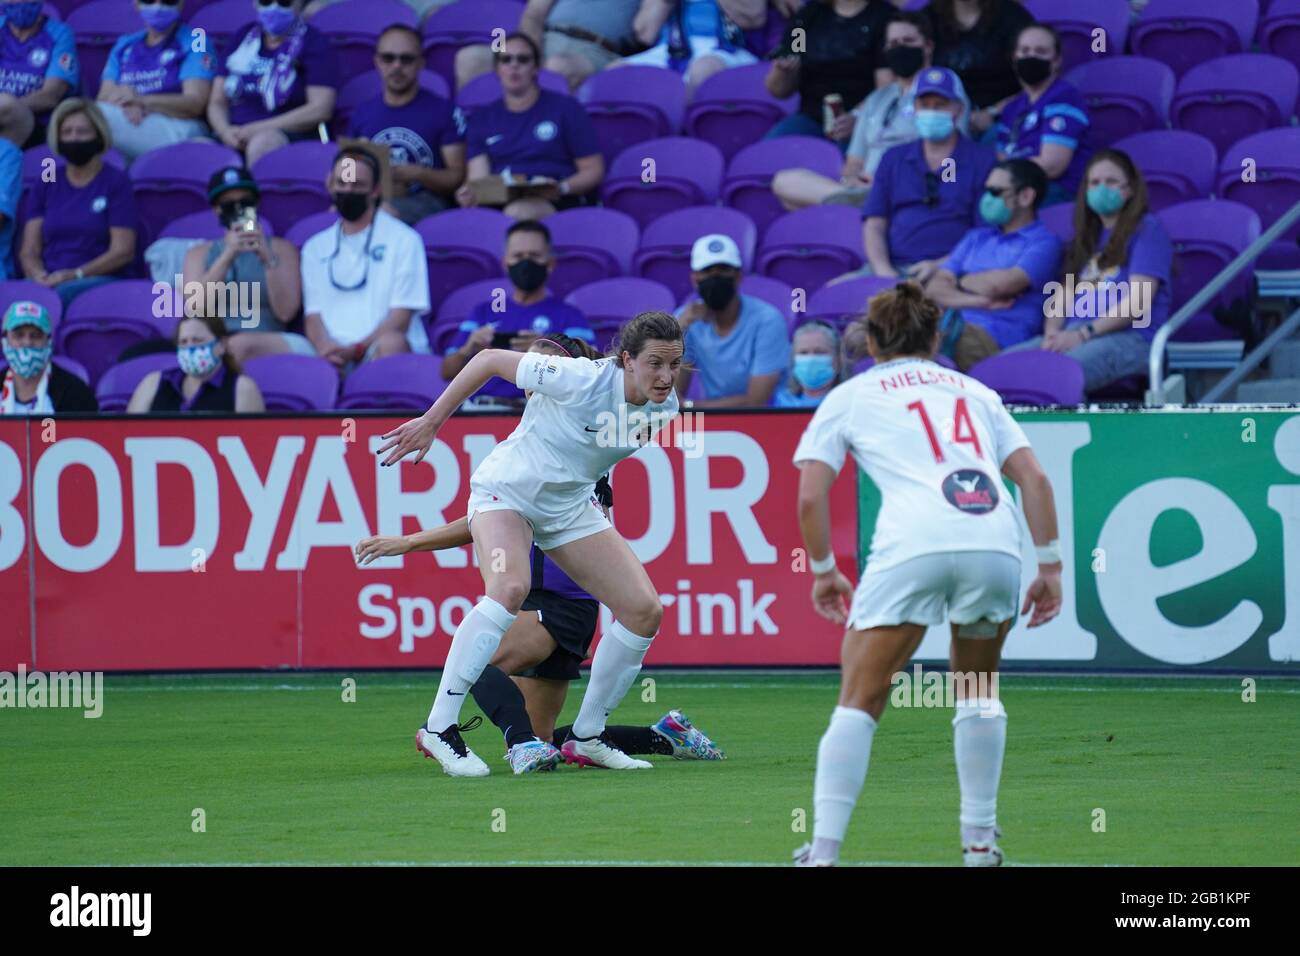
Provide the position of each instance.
(266, 269)
(737, 344)
(33, 384)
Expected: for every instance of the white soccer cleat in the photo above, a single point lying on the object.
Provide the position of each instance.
(982, 851)
(803, 857)
(448, 748)
(600, 752)
(533, 756)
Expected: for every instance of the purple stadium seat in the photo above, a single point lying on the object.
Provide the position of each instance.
(1235, 96)
(809, 247)
(1032, 377)
(449, 28)
(1276, 155)
(732, 108)
(1124, 95)
(1208, 234)
(97, 26)
(687, 172)
(609, 303)
(172, 181)
(590, 244)
(20, 290)
(292, 180)
(353, 29)
(115, 388)
(1177, 165)
(1279, 30)
(366, 86)
(460, 303)
(68, 365)
(1183, 33)
(486, 88)
(194, 225)
(1060, 219)
(839, 303)
(748, 183)
(462, 246)
(862, 364)
(304, 229)
(222, 21)
(398, 382)
(105, 320)
(666, 243)
(633, 104)
(294, 383)
(1076, 23)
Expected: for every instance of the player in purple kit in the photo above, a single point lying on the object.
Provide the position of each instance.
(534, 133)
(155, 87)
(424, 133)
(38, 67)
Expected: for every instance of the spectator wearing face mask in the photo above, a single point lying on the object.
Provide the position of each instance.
(38, 68)
(816, 367)
(528, 312)
(32, 384)
(206, 379)
(737, 344)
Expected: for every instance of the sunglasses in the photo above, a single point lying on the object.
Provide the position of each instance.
(161, 3)
(523, 59)
(270, 3)
(997, 191)
(388, 59)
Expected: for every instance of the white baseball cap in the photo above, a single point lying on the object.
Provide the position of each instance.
(712, 250)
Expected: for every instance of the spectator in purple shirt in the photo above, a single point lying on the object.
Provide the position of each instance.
(424, 133)
(81, 224)
(38, 68)
(206, 379)
(155, 87)
(536, 133)
(277, 83)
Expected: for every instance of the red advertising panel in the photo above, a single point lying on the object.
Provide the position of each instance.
(15, 554)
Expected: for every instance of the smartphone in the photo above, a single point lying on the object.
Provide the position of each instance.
(502, 340)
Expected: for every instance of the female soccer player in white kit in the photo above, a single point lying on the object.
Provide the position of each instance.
(585, 417)
(946, 545)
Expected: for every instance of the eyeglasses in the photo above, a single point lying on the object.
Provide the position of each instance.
(270, 3)
(406, 59)
(523, 59)
(163, 3)
(365, 255)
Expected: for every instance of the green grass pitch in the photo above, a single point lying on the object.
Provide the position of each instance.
(285, 771)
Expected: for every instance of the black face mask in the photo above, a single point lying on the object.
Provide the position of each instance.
(228, 212)
(78, 152)
(717, 291)
(527, 275)
(1033, 70)
(351, 206)
(904, 61)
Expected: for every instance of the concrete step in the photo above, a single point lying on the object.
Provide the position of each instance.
(1270, 390)
(1284, 362)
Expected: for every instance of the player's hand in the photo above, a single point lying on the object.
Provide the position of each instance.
(1044, 596)
(829, 596)
(381, 546)
(414, 436)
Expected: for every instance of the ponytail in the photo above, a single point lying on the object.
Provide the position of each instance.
(901, 321)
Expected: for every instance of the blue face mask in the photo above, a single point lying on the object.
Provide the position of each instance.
(277, 20)
(1105, 200)
(159, 17)
(814, 371)
(22, 15)
(28, 361)
(934, 124)
(994, 210)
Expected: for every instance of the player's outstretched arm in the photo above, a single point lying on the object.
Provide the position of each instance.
(1044, 596)
(417, 435)
(830, 587)
(452, 535)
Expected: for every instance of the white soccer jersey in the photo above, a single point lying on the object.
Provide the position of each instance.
(933, 441)
(575, 428)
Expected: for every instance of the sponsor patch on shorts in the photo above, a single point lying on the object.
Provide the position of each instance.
(971, 491)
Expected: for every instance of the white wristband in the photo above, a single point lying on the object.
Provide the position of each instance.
(1049, 553)
(825, 564)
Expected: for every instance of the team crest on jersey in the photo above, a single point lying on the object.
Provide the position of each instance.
(545, 130)
(1057, 124)
(971, 491)
(166, 57)
(541, 324)
(100, 204)
(39, 57)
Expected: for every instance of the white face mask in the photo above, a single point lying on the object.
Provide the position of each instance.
(198, 360)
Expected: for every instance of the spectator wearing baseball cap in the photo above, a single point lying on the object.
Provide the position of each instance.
(737, 344)
(266, 268)
(33, 384)
(925, 195)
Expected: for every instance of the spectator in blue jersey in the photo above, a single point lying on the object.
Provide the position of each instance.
(536, 133)
(424, 133)
(38, 68)
(816, 367)
(11, 188)
(81, 224)
(155, 87)
(277, 83)
(529, 311)
(738, 345)
(1048, 122)
(697, 38)
(994, 285)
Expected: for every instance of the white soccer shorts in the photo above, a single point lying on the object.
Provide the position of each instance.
(976, 589)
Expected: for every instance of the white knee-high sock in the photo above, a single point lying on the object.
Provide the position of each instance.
(979, 737)
(842, 759)
(472, 647)
(613, 669)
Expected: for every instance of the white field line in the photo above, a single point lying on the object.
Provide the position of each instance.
(585, 863)
(689, 685)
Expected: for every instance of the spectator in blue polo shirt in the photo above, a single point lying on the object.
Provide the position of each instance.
(994, 284)
(38, 68)
(737, 344)
(11, 188)
(1048, 122)
(155, 87)
(925, 194)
